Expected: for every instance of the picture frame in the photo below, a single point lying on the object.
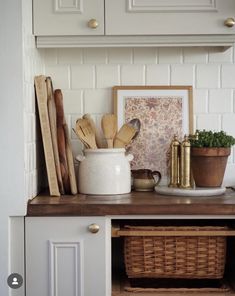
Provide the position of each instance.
(164, 111)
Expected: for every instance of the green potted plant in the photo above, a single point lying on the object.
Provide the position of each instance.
(209, 155)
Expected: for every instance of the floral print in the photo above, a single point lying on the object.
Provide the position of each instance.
(161, 119)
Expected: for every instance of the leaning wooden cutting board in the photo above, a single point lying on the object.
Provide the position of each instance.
(41, 94)
(52, 119)
(72, 176)
(60, 121)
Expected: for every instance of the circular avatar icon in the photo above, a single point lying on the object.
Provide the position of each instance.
(14, 280)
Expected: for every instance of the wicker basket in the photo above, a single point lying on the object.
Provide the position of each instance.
(175, 252)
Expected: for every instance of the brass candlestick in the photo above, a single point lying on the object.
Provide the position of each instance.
(175, 163)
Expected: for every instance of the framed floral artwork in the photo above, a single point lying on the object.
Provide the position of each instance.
(164, 111)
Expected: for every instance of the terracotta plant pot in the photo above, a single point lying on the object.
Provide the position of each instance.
(208, 165)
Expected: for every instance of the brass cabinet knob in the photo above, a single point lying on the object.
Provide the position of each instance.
(229, 22)
(94, 228)
(93, 24)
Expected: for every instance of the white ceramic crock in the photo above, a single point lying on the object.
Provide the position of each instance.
(104, 171)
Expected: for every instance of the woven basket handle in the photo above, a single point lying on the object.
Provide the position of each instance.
(127, 232)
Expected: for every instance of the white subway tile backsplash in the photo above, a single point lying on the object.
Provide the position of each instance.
(29, 100)
(145, 55)
(195, 55)
(182, 75)
(98, 101)
(169, 55)
(200, 101)
(60, 76)
(132, 75)
(229, 179)
(70, 56)
(77, 148)
(228, 76)
(120, 55)
(208, 122)
(29, 128)
(228, 124)
(94, 55)
(107, 76)
(220, 56)
(220, 100)
(50, 56)
(28, 156)
(87, 75)
(82, 76)
(73, 101)
(33, 64)
(157, 75)
(208, 76)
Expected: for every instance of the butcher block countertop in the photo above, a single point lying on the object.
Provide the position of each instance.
(135, 203)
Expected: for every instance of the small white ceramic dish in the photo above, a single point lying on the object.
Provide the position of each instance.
(165, 190)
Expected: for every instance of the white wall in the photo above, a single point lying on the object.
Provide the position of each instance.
(18, 170)
(11, 127)
(87, 75)
(33, 64)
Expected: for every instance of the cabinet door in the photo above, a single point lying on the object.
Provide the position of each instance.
(63, 258)
(67, 17)
(168, 17)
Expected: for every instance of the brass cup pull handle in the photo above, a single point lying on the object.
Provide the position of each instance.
(94, 228)
(93, 23)
(229, 22)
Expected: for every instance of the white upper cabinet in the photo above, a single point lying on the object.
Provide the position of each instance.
(168, 17)
(68, 17)
(113, 23)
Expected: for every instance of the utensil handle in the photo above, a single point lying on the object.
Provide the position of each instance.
(119, 143)
(157, 173)
(110, 143)
(129, 157)
(80, 157)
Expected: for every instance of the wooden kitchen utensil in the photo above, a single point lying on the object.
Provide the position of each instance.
(124, 136)
(69, 154)
(85, 133)
(98, 137)
(135, 122)
(60, 121)
(84, 143)
(52, 119)
(41, 94)
(109, 126)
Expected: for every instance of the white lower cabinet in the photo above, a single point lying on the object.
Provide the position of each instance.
(68, 256)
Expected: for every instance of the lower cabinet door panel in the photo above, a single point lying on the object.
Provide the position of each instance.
(64, 257)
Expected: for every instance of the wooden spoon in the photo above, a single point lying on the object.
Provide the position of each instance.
(109, 127)
(135, 122)
(84, 143)
(84, 131)
(98, 137)
(124, 136)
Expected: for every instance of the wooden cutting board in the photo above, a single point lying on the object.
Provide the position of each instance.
(60, 121)
(41, 94)
(52, 119)
(71, 170)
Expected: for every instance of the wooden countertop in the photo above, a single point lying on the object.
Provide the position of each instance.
(135, 203)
